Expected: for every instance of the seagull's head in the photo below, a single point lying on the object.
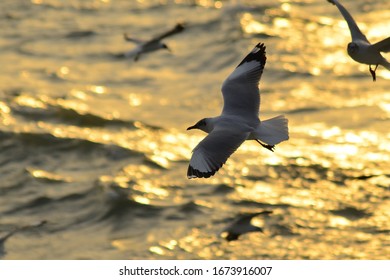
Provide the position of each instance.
(352, 48)
(204, 125)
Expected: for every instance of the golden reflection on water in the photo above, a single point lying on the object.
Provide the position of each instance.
(79, 107)
(309, 194)
(98, 89)
(281, 23)
(339, 222)
(134, 100)
(150, 189)
(249, 25)
(29, 101)
(63, 72)
(378, 31)
(141, 199)
(4, 108)
(157, 250)
(48, 176)
(209, 3)
(79, 94)
(286, 7)
(5, 117)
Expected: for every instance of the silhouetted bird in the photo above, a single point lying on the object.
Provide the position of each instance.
(239, 120)
(151, 45)
(242, 225)
(360, 49)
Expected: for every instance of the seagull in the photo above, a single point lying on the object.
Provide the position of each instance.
(239, 120)
(151, 45)
(360, 49)
(242, 225)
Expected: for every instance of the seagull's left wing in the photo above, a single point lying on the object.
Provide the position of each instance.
(177, 29)
(356, 34)
(240, 90)
(382, 46)
(130, 39)
(213, 151)
(246, 218)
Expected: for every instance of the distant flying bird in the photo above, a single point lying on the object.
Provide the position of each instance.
(239, 120)
(242, 225)
(151, 45)
(360, 49)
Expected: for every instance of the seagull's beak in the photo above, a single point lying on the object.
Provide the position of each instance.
(192, 127)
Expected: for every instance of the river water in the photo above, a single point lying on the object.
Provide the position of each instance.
(94, 147)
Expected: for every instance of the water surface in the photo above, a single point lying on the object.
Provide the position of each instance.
(94, 147)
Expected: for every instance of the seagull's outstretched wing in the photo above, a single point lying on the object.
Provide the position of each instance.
(130, 39)
(356, 34)
(179, 27)
(242, 225)
(213, 151)
(240, 90)
(245, 219)
(382, 46)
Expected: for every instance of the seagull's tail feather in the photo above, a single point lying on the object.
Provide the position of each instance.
(272, 131)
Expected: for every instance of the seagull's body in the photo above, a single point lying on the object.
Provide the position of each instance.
(242, 225)
(360, 49)
(151, 45)
(239, 120)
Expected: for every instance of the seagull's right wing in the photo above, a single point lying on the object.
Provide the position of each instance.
(130, 39)
(246, 218)
(356, 34)
(382, 46)
(241, 89)
(179, 27)
(213, 151)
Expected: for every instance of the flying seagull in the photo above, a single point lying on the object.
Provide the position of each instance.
(360, 49)
(151, 45)
(239, 120)
(242, 225)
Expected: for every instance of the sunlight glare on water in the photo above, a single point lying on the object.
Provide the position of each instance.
(96, 144)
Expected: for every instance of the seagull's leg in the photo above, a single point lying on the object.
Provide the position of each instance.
(373, 74)
(269, 147)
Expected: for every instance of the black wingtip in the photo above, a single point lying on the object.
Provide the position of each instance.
(258, 54)
(194, 173)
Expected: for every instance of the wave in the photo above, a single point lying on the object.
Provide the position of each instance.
(56, 113)
(261, 205)
(351, 213)
(46, 140)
